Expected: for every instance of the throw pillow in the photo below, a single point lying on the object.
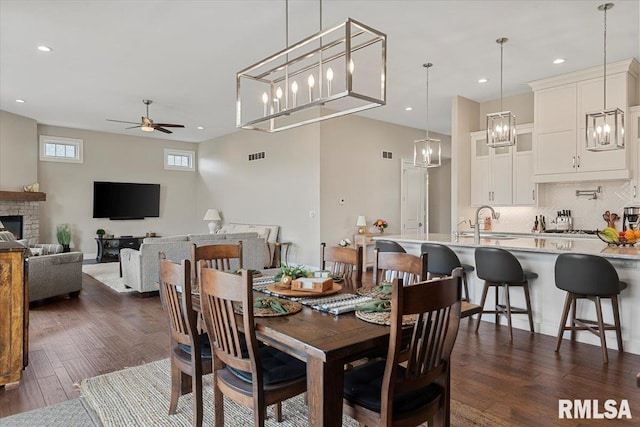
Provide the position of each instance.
(25, 243)
(7, 236)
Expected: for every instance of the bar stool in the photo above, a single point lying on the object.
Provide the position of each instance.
(389, 246)
(442, 260)
(500, 268)
(594, 278)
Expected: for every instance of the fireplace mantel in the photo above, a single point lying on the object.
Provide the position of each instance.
(23, 196)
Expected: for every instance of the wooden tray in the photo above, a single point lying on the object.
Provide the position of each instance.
(289, 293)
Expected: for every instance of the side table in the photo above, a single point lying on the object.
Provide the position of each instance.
(366, 241)
(277, 253)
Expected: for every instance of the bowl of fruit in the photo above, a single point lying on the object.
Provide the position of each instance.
(612, 236)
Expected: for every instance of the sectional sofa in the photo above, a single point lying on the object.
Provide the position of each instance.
(140, 268)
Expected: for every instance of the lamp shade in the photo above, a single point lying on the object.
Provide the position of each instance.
(212, 215)
(361, 221)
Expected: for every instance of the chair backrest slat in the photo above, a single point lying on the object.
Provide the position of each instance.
(218, 257)
(175, 295)
(436, 304)
(220, 294)
(345, 262)
(392, 265)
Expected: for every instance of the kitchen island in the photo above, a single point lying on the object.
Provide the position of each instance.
(538, 253)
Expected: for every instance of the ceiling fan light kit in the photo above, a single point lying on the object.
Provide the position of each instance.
(147, 125)
(337, 71)
(604, 129)
(501, 127)
(427, 153)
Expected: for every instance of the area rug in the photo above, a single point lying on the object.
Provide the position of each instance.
(71, 413)
(140, 396)
(107, 273)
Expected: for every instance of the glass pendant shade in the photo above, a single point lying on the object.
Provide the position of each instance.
(338, 71)
(604, 129)
(427, 153)
(501, 129)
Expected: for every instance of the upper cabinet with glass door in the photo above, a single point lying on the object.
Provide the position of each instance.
(503, 176)
(560, 107)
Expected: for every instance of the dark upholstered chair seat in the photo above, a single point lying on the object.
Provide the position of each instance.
(278, 367)
(362, 386)
(205, 348)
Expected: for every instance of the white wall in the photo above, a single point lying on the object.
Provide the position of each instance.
(281, 189)
(309, 169)
(18, 151)
(113, 157)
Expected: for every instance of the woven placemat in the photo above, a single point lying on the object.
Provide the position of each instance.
(372, 291)
(382, 318)
(291, 306)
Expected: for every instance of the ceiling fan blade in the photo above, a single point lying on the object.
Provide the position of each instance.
(133, 127)
(162, 129)
(169, 125)
(121, 121)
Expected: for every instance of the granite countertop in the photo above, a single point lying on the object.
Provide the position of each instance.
(544, 243)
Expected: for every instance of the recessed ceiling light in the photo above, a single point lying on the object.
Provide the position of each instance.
(20, 101)
(408, 109)
(482, 80)
(44, 48)
(559, 61)
(200, 128)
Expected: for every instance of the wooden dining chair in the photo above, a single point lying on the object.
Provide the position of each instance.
(412, 385)
(190, 352)
(343, 262)
(251, 375)
(389, 265)
(219, 257)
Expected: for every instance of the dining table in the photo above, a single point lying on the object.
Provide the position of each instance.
(326, 343)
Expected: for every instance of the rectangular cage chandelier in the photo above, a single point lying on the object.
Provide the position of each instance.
(338, 71)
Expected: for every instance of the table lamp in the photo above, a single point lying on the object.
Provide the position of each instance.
(361, 223)
(213, 216)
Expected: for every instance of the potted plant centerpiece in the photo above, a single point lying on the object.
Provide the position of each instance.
(63, 233)
(100, 233)
(288, 273)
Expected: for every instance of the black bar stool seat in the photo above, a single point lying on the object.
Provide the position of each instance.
(389, 246)
(589, 277)
(500, 268)
(442, 260)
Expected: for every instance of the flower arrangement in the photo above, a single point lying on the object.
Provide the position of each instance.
(344, 243)
(380, 224)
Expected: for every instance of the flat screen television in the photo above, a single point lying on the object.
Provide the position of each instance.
(125, 200)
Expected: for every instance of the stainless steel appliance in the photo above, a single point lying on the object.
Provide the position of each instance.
(631, 218)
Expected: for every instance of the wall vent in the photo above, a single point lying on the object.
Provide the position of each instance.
(387, 155)
(256, 156)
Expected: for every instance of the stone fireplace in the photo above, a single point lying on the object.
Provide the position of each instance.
(26, 205)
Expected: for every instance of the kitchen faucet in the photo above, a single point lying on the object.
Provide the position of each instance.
(476, 227)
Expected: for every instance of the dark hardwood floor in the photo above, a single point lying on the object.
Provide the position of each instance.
(520, 382)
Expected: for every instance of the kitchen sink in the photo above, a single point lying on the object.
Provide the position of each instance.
(490, 236)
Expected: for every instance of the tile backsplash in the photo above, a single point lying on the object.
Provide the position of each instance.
(586, 213)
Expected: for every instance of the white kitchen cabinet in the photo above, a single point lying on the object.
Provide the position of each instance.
(560, 106)
(491, 173)
(633, 132)
(525, 191)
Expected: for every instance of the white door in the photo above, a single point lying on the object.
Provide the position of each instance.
(415, 197)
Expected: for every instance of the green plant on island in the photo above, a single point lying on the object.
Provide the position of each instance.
(63, 233)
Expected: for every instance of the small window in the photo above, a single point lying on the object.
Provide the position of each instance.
(56, 149)
(179, 160)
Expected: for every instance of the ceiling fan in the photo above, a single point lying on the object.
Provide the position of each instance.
(148, 125)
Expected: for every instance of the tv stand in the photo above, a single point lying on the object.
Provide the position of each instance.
(109, 249)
